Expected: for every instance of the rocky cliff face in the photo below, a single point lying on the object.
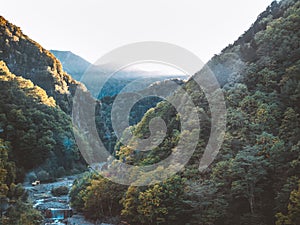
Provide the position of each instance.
(30, 60)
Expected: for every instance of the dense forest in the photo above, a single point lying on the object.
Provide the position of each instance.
(25, 57)
(255, 178)
(36, 133)
(36, 128)
(36, 101)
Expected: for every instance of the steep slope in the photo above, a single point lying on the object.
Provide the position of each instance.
(35, 135)
(104, 117)
(15, 209)
(39, 132)
(258, 164)
(28, 59)
(257, 168)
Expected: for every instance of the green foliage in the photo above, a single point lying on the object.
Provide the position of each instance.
(96, 196)
(248, 170)
(293, 215)
(21, 214)
(102, 199)
(30, 60)
(104, 117)
(7, 169)
(59, 191)
(36, 128)
(13, 206)
(78, 190)
(157, 204)
(253, 177)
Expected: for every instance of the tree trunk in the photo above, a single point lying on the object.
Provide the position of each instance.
(251, 202)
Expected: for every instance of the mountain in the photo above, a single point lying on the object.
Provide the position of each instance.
(35, 105)
(39, 132)
(72, 63)
(27, 58)
(94, 76)
(254, 179)
(130, 81)
(36, 136)
(150, 100)
(125, 81)
(36, 133)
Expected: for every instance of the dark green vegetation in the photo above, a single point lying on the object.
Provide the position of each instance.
(254, 180)
(104, 123)
(39, 132)
(59, 191)
(25, 57)
(255, 177)
(36, 100)
(13, 206)
(103, 116)
(35, 135)
(143, 83)
(35, 129)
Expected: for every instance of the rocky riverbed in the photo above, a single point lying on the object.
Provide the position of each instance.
(43, 200)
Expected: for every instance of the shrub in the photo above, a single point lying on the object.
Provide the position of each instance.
(43, 175)
(59, 191)
(31, 177)
(60, 172)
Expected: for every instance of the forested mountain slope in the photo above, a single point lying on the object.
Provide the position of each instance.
(35, 135)
(25, 57)
(39, 132)
(255, 177)
(36, 97)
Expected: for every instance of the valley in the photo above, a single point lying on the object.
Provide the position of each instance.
(163, 167)
(56, 209)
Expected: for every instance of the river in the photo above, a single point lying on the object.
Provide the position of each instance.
(43, 200)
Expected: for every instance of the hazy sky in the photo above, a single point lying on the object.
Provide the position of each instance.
(91, 28)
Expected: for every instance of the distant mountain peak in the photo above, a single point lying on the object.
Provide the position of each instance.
(72, 63)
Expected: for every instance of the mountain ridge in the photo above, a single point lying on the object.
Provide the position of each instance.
(254, 178)
(74, 64)
(27, 58)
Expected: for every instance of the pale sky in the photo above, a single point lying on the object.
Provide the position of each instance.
(91, 28)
